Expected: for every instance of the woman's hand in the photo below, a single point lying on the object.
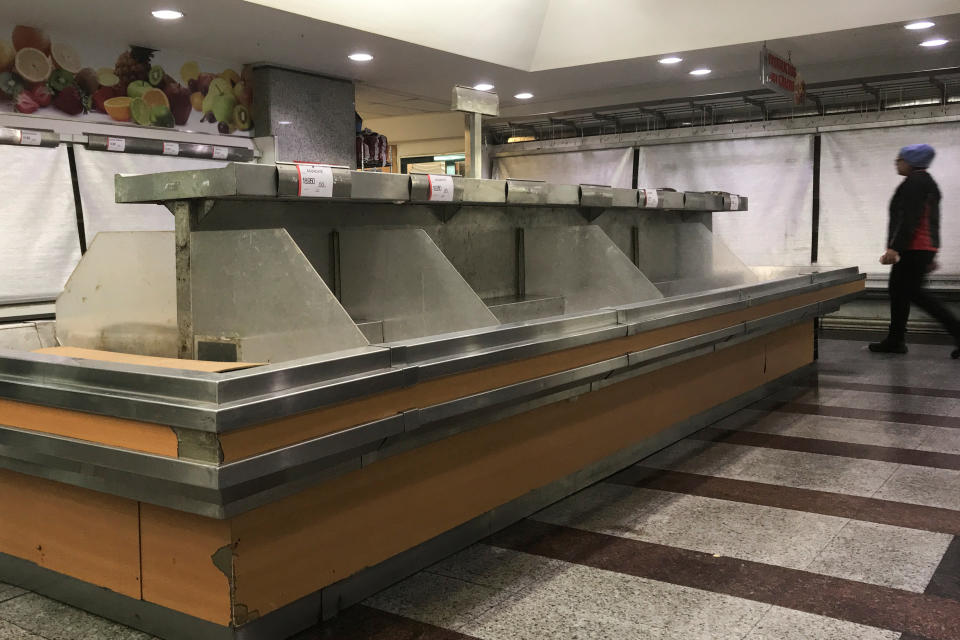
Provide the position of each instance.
(890, 256)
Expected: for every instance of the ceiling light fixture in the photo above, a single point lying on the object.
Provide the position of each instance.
(167, 14)
(700, 72)
(284, 122)
(670, 60)
(922, 24)
(938, 42)
(360, 57)
(526, 95)
(483, 86)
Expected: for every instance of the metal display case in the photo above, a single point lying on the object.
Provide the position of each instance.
(347, 379)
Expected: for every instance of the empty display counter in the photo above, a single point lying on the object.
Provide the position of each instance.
(325, 380)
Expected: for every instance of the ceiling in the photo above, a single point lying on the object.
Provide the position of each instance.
(569, 53)
(538, 35)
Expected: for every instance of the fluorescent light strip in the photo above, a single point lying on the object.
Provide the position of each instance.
(167, 14)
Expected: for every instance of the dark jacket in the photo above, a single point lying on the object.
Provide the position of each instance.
(916, 192)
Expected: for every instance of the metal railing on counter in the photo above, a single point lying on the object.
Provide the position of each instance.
(320, 183)
(29, 137)
(149, 146)
(125, 144)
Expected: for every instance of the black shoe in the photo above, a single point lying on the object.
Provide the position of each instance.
(955, 353)
(886, 346)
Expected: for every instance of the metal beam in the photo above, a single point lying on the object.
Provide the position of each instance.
(607, 118)
(875, 92)
(658, 115)
(760, 104)
(818, 102)
(705, 109)
(942, 86)
(519, 126)
(567, 123)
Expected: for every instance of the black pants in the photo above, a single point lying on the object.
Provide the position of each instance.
(906, 286)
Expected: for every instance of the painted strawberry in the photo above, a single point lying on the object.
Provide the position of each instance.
(42, 95)
(69, 101)
(25, 102)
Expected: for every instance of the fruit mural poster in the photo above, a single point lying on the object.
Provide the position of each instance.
(49, 75)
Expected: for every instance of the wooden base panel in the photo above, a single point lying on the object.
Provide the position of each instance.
(235, 571)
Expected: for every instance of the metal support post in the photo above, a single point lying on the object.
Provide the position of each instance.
(473, 144)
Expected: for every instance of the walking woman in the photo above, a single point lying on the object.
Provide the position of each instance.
(913, 238)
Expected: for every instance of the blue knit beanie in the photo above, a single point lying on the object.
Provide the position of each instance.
(918, 156)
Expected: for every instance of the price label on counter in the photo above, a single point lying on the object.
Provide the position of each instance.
(116, 144)
(32, 138)
(316, 181)
(734, 202)
(171, 148)
(220, 153)
(441, 188)
(652, 198)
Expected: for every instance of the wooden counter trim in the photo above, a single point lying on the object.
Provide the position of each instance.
(85, 534)
(261, 438)
(293, 547)
(115, 432)
(178, 562)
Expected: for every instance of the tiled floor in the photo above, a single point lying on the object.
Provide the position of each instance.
(830, 512)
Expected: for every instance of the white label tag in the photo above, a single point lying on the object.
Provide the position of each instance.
(220, 153)
(32, 138)
(734, 202)
(652, 197)
(441, 188)
(316, 181)
(171, 148)
(116, 144)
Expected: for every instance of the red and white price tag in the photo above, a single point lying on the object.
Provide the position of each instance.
(171, 148)
(316, 181)
(116, 144)
(441, 188)
(31, 138)
(652, 198)
(734, 202)
(220, 153)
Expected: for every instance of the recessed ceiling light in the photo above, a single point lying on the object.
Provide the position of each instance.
(167, 14)
(923, 24)
(483, 86)
(284, 122)
(526, 95)
(360, 57)
(700, 72)
(670, 60)
(938, 42)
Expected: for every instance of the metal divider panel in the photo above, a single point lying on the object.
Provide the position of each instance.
(256, 289)
(697, 261)
(400, 277)
(584, 266)
(123, 296)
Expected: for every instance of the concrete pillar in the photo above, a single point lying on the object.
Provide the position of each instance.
(311, 116)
